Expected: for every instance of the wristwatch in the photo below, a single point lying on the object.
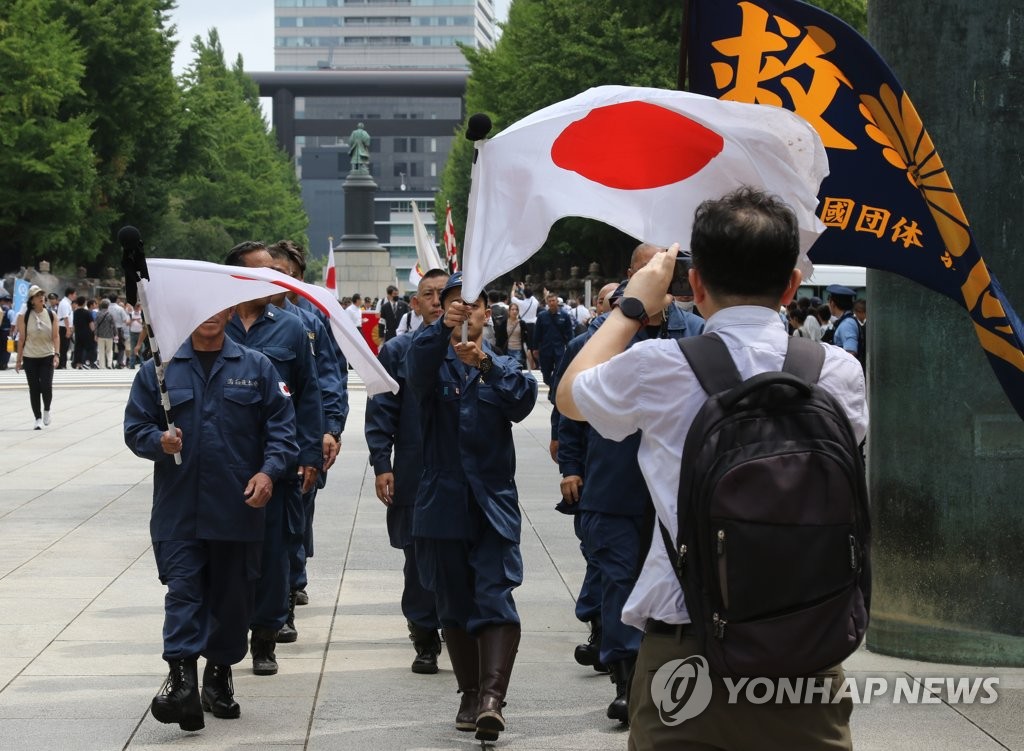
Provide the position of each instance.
(633, 309)
(486, 363)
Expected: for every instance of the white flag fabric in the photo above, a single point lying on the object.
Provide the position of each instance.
(426, 250)
(639, 159)
(180, 295)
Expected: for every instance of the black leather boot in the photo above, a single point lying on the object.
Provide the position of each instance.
(498, 647)
(590, 653)
(622, 674)
(288, 633)
(178, 701)
(261, 646)
(218, 695)
(427, 645)
(465, 658)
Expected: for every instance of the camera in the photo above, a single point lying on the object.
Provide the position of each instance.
(680, 284)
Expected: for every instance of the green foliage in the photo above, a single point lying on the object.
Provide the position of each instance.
(130, 95)
(551, 50)
(49, 177)
(236, 184)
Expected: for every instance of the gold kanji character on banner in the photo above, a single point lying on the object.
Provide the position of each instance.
(873, 220)
(754, 66)
(910, 234)
(836, 212)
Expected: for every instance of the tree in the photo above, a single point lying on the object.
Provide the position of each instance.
(49, 176)
(131, 98)
(236, 184)
(551, 50)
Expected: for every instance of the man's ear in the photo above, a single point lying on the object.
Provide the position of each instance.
(700, 292)
(795, 278)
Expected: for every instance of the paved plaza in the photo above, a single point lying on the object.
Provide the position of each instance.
(81, 614)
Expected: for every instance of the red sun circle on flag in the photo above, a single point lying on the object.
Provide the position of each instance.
(666, 147)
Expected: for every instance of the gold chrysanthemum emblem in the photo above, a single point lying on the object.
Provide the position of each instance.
(894, 124)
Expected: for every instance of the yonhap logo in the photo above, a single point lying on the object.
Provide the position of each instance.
(681, 689)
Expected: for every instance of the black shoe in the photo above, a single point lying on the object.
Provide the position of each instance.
(301, 598)
(622, 674)
(218, 695)
(261, 646)
(427, 644)
(590, 653)
(288, 632)
(178, 701)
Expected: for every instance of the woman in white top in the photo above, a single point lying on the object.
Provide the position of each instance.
(38, 344)
(515, 335)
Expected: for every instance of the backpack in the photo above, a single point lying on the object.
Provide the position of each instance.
(774, 537)
(499, 319)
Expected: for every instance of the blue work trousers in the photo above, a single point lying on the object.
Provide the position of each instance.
(588, 604)
(300, 548)
(273, 587)
(612, 543)
(472, 580)
(209, 601)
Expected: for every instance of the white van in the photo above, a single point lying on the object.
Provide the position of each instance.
(854, 277)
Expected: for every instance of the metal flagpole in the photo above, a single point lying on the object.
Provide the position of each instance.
(165, 399)
(133, 261)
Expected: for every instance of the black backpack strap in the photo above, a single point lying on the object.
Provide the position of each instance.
(711, 362)
(804, 359)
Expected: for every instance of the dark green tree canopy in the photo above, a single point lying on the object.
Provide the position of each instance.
(49, 183)
(235, 183)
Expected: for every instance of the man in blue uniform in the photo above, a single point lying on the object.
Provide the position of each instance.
(466, 523)
(552, 332)
(393, 422)
(332, 375)
(235, 431)
(282, 337)
(846, 329)
(615, 513)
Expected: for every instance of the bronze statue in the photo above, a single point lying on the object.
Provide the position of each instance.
(359, 149)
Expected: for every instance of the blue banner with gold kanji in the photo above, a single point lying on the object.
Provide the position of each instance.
(887, 203)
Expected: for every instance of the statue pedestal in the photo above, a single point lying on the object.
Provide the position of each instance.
(362, 264)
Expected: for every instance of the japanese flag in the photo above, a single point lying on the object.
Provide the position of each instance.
(180, 295)
(639, 159)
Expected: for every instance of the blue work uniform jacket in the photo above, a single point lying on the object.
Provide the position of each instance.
(339, 359)
(552, 333)
(235, 423)
(393, 422)
(333, 387)
(282, 337)
(468, 454)
(612, 480)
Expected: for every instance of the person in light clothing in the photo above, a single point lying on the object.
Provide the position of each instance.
(745, 248)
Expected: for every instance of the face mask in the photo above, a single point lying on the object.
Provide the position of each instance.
(685, 306)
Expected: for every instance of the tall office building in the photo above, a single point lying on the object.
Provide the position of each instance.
(407, 154)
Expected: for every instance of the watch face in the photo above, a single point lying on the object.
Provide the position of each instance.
(631, 307)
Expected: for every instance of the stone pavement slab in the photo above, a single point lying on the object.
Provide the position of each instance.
(81, 615)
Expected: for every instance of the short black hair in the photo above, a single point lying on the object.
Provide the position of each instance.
(291, 251)
(235, 255)
(745, 244)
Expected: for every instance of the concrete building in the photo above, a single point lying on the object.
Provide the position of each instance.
(408, 150)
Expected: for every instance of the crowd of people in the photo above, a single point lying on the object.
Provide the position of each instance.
(231, 539)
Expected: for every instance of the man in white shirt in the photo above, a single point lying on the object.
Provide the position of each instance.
(745, 248)
(65, 328)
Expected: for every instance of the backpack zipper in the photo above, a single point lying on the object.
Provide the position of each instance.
(719, 625)
(723, 581)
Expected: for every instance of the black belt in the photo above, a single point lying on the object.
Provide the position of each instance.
(654, 626)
